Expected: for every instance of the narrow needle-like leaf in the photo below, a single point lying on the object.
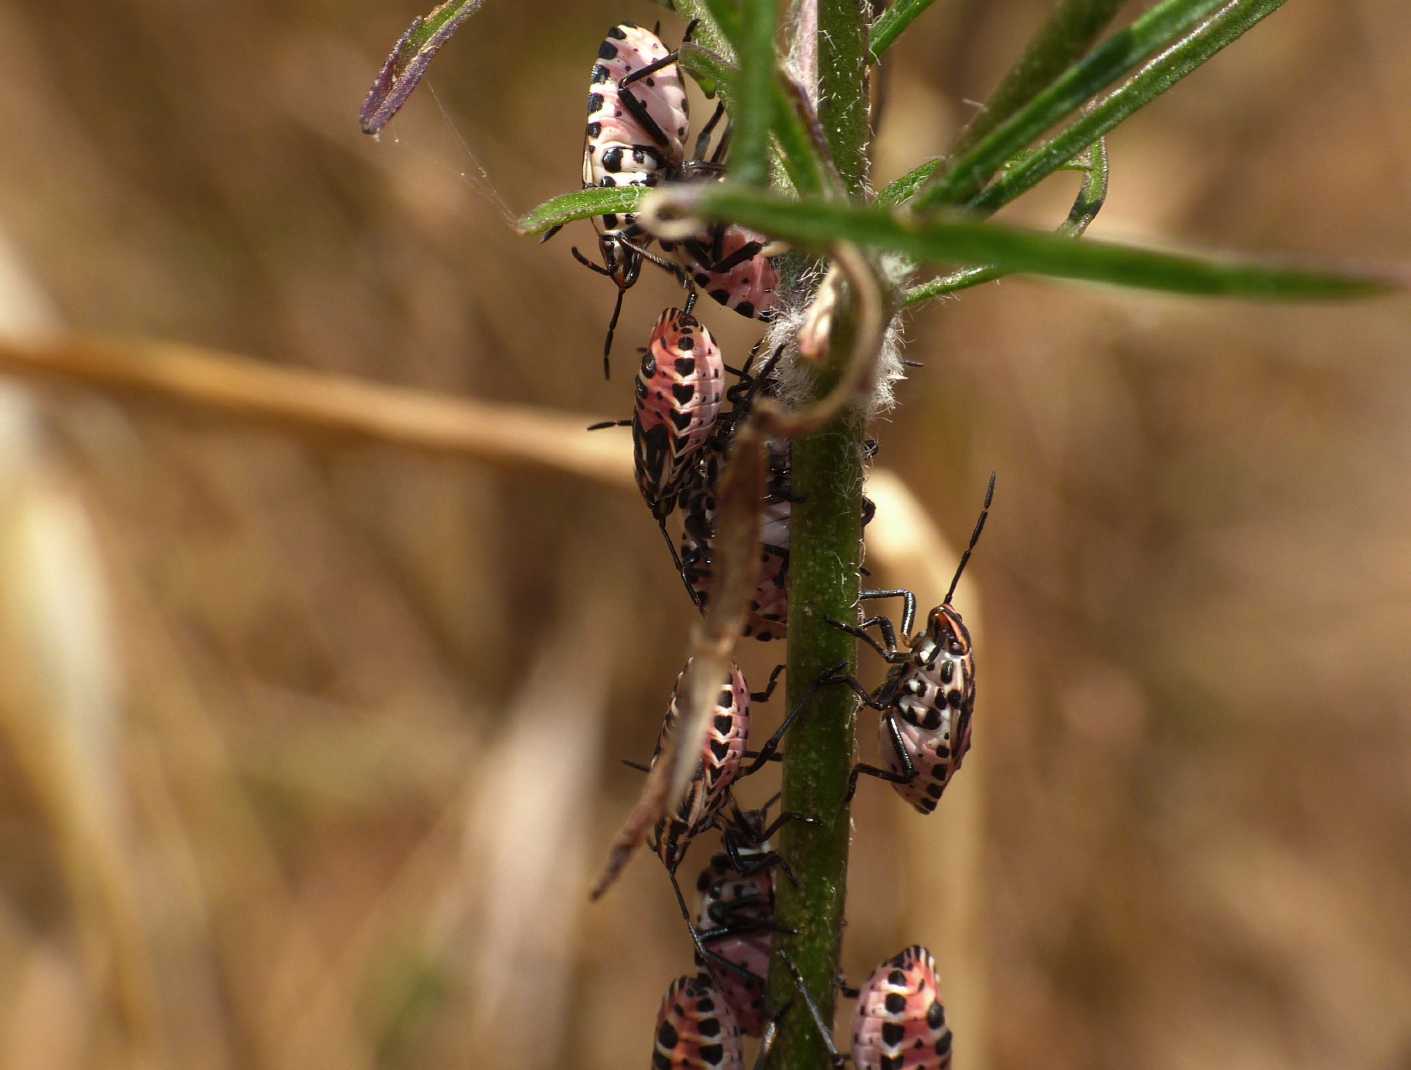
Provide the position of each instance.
(720, 17)
(815, 224)
(580, 205)
(1153, 79)
(1069, 31)
(1086, 206)
(1158, 28)
(405, 65)
(892, 23)
(755, 90)
(796, 148)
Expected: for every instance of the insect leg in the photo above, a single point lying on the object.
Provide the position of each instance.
(671, 548)
(907, 775)
(771, 745)
(706, 131)
(825, 1033)
(908, 605)
(723, 145)
(612, 329)
(871, 701)
(883, 625)
(705, 954)
(588, 263)
(763, 696)
(640, 113)
(748, 251)
(888, 652)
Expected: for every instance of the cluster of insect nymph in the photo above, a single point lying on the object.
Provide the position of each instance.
(684, 421)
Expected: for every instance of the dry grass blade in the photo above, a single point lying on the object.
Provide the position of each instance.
(713, 639)
(406, 64)
(319, 404)
(59, 716)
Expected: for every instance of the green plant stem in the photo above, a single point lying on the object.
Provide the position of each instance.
(1068, 32)
(892, 23)
(842, 88)
(1154, 78)
(825, 545)
(969, 171)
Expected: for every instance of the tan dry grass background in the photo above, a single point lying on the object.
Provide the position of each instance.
(309, 753)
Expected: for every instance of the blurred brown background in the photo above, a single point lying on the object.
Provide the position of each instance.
(309, 753)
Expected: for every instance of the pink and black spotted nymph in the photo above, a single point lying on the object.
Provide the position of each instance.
(677, 396)
(733, 265)
(635, 136)
(769, 606)
(678, 391)
(721, 761)
(638, 120)
(696, 1029)
(768, 617)
(899, 1022)
(928, 699)
(735, 914)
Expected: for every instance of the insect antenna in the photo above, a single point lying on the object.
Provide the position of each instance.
(612, 328)
(974, 538)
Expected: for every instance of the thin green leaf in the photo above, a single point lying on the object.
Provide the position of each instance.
(1086, 206)
(405, 65)
(1157, 29)
(816, 224)
(718, 36)
(710, 70)
(756, 89)
(1153, 79)
(803, 160)
(904, 188)
(892, 23)
(581, 205)
(1062, 40)
(722, 15)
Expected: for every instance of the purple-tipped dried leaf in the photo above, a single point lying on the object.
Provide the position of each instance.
(407, 62)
